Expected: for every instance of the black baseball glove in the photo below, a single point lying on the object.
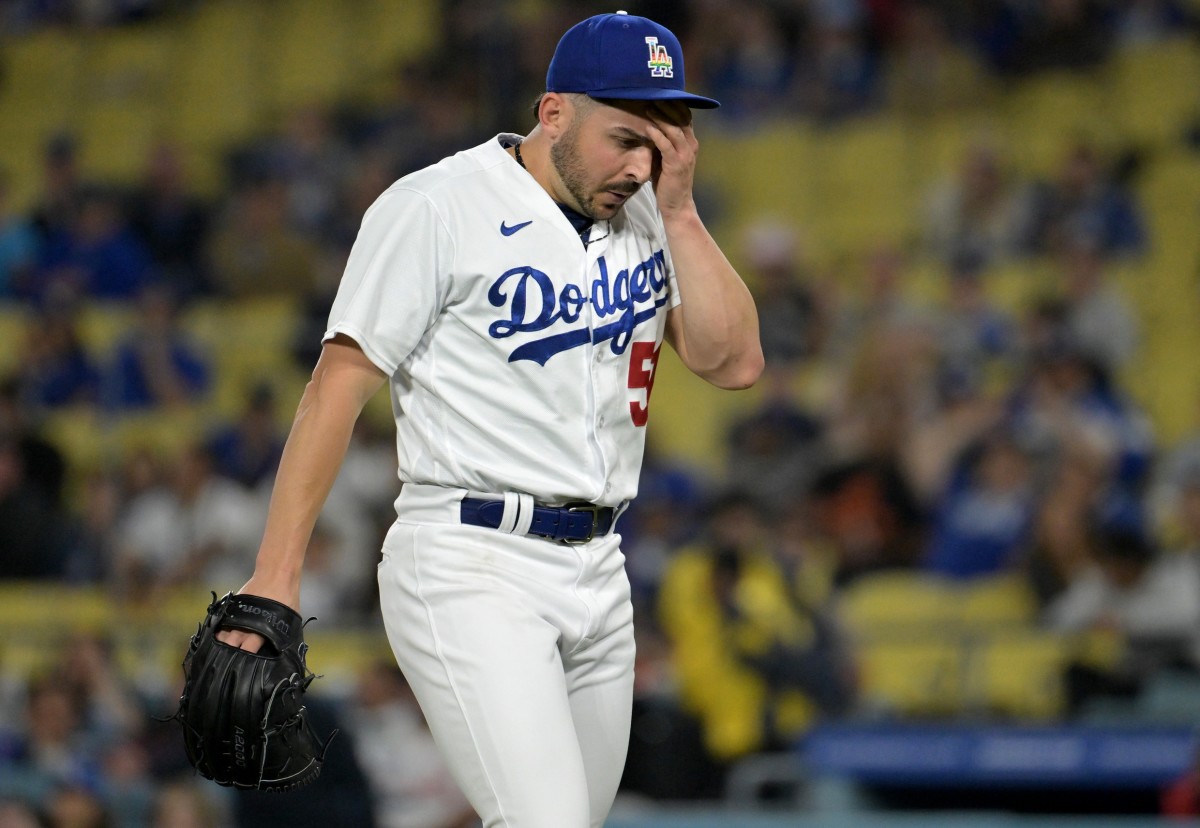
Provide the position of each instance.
(243, 713)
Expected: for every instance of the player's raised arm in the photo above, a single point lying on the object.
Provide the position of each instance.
(342, 382)
(715, 328)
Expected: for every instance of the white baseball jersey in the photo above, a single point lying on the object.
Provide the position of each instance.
(518, 359)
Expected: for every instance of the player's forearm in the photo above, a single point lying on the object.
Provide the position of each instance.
(312, 456)
(716, 334)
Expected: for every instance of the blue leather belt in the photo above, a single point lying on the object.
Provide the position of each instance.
(572, 523)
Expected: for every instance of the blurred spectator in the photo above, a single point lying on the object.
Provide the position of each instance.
(253, 250)
(840, 75)
(982, 521)
(1084, 203)
(775, 450)
(248, 449)
(96, 255)
(57, 204)
(330, 591)
(19, 245)
(979, 212)
(869, 514)
(43, 466)
(1149, 600)
(1099, 319)
(358, 510)
(790, 323)
(927, 72)
(15, 813)
(92, 529)
(959, 415)
(972, 332)
(1146, 22)
(747, 56)
(172, 222)
(886, 309)
(660, 519)
(185, 804)
(1023, 38)
(110, 708)
(157, 365)
(198, 527)
(1066, 399)
(32, 533)
(56, 369)
(48, 748)
(411, 784)
(757, 667)
(313, 159)
(129, 787)
(78, 805)
(884, 393)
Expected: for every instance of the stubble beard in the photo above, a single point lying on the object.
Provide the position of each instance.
(572, 171)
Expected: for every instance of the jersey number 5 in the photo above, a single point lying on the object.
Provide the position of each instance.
(643, 365)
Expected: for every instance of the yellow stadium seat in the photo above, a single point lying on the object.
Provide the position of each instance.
(309, 55)
(1044, 114)
(915, 677)
(387, 33)
(123, 111)
(745, 167)
(865, 185)
(82, 437)
(217, 89)
(1021, 674)
(899, 602)
(1155, 89)
(102, 325)
(43, 72)
(52, 608)
(997, 602)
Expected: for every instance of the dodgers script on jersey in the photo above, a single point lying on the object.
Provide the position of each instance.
(518, 359)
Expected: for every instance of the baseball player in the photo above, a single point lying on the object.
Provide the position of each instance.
(515, 297)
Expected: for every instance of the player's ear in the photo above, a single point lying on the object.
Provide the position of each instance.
(554, 113)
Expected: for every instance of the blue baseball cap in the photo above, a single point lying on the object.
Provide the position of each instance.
(621, 56)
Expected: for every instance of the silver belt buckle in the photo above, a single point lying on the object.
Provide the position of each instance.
(582, 506)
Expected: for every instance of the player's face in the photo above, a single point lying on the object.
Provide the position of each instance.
(605, 155)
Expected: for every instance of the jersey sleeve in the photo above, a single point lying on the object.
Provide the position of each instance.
(394, 284)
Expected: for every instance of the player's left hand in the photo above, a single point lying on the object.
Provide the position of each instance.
(673, 174)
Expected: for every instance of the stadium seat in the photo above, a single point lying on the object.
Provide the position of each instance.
(124, 111)
(996, 603)
(1155, 91)
(217, 83)
(865, 185)
(912, 676)
(900, 602)
(309, 55)
(1046, 112)
(388, 33)
(1020, 674)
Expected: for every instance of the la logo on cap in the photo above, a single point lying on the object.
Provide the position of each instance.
(660, 59)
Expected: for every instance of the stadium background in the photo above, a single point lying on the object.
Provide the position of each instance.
(846, 125)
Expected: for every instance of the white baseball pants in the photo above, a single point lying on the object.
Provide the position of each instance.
(520, 651)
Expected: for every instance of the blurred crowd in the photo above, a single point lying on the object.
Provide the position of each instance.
(960, 437)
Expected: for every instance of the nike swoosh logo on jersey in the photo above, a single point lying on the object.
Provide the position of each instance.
(505, 230)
